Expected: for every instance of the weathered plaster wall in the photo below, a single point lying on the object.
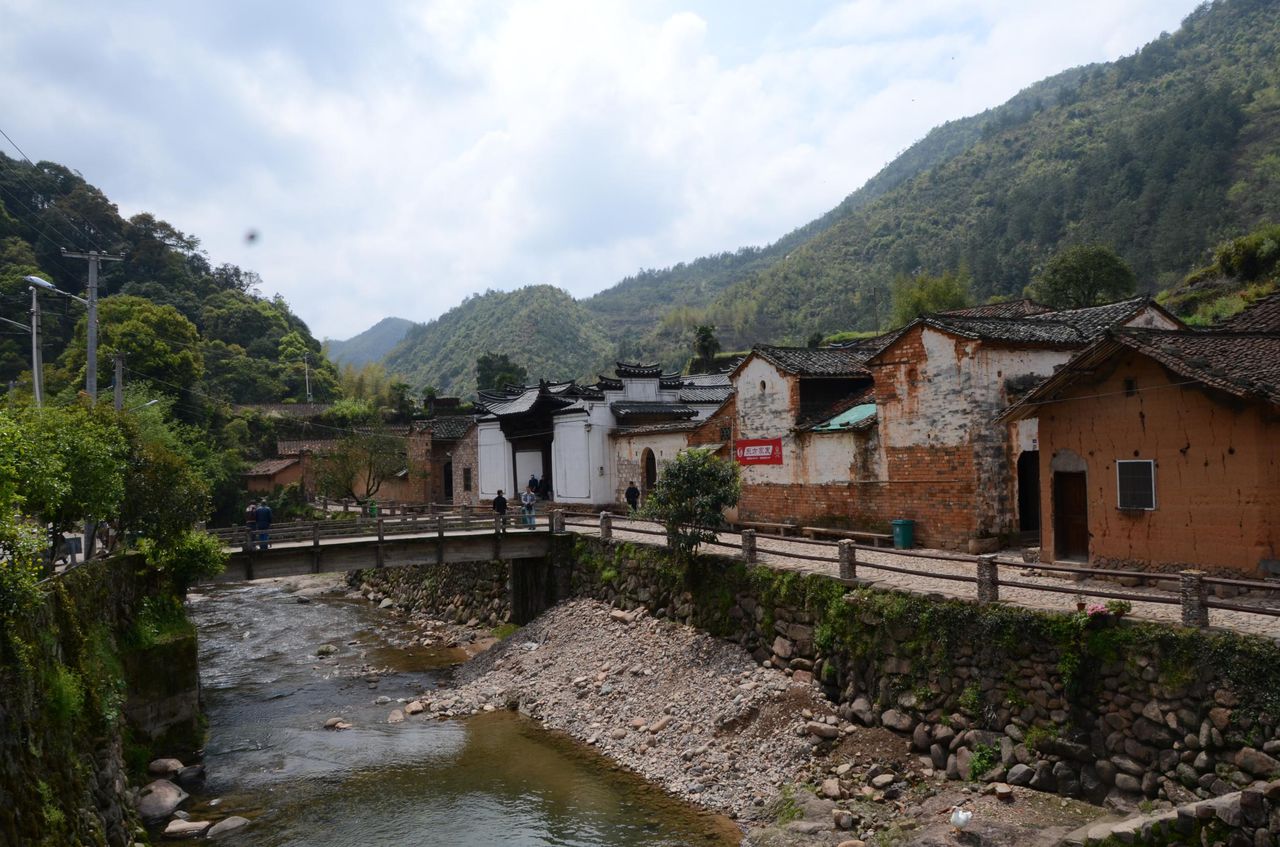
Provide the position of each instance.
(466, 459)
(1217, 471)
(766, 405)
(628, 456)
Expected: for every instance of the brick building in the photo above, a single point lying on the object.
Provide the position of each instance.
(1159, 450)
(930, 451)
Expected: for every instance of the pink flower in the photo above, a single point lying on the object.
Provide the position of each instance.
(1096, 609)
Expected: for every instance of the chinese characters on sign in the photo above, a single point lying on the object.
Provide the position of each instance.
(759, 451)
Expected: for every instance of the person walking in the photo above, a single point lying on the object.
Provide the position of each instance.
(533, 483)
(527, 501)
(262, 520)
(633, 495)
(500, 508)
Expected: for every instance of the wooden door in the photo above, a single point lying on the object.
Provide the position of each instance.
(1070, 515)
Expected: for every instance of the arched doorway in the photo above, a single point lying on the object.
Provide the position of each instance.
(650, 463)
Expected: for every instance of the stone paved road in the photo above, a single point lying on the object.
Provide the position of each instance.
(779, 552)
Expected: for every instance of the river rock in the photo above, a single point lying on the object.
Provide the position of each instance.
(159, 800)
(226, 826)
(386, 603)
(414, 707)
(1020, 775)
(326, 650)
(894, 719)
(179, 828)
(1257, 763)
(821, 730)
(191, 776)
(831, 788)
(164, 767)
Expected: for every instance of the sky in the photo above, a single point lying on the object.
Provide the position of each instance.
(396, 157)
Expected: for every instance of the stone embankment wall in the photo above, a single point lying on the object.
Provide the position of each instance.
(459, 593)
(1083, 707)
(71, 669)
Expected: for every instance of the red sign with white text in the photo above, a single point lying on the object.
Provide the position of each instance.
(759, 451)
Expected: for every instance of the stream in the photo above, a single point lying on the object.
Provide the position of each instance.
(493, 779)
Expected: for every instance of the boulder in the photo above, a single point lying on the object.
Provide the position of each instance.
(164, 767)
(831, 788)
(191, 776)
(159, 800)
(1020, 775)
(920, 739)
(226, 826)
(1257, 763)
(821, 730)
(896, 720)
(178, 828)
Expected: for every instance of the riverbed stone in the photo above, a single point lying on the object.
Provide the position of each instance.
(226, 826)
(180, 829)
(160, 799)
(164, 767)
(1257, 763)
(894, 719)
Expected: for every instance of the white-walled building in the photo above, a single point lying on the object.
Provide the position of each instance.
(562, 430)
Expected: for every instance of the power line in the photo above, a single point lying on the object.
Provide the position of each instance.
(91, 242)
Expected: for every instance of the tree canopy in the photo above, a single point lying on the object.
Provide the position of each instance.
(1083, 275)
(494, 370)
(917, 295)
(690, 497)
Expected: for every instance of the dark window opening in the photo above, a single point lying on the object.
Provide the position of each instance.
(466, 479)
(1136, 484)
(726, 432)
(1130, 387)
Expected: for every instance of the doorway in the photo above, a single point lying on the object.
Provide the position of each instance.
(1070, 515)
(448, 482)
(650, 471)
(1029, 491)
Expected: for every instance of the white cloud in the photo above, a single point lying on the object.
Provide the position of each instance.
(396, 157)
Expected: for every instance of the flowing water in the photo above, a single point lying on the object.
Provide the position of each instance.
(494, 779)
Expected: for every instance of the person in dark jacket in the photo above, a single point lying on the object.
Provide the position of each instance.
(500, 507)
(262, 519)
(633, 495)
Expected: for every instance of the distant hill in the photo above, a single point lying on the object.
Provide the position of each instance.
(1160, 155)
(540, 327)
(369, 346)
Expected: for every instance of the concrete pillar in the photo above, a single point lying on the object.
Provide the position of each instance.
(606, 526)
(848, 559)
(1193, 593)
(466, 516)
(749, 545)
(557, 520)
(988, 580)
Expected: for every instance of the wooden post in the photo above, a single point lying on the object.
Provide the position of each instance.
(557, 520)
(380, 531)
(606, 526)
(466, 516)
(749, 545)
(248, 538)
(848, 559)
(988, 580)
(315, 547)
(1194, 594)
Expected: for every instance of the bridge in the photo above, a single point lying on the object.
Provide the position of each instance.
(539, 564)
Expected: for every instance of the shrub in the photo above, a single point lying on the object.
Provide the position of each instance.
(191, 556)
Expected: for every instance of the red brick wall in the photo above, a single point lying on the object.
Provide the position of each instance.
(1217, 471)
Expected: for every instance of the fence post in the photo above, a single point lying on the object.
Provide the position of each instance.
(380, 534)
(466, 516)
(749, 545)
(1193, 593)
(606, 526)
(248, 539)
(315, 533)
(848, 559)
(988, 580)
(557, 520)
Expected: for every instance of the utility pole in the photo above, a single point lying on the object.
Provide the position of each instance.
(94, 258)
(119, 392)
(37, 361)
(306, 372)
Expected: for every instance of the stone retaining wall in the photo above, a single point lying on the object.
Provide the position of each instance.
(1093, 708)
(476, 592)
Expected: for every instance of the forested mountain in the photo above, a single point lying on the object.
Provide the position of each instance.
(1160, 155)
(540, 327)
(197, 332)
(372, 345)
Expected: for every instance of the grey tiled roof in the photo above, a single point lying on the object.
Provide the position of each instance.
(633, 369)
(450, 427)
(270, 467)
(1062, 328)
(1262, 316)
(716, 394)
(1008, 309)
(1244, 364)
(816, 361)
(648, 409)
(1092, 321)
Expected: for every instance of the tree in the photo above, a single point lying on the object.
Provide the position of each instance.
(495, 370)
(815, 340)
(158, 342)
(690, 497)
(921, 294)
(705, 343)
(1083, 275)
(358, 465)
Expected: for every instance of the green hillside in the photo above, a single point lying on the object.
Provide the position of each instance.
(539, 327)
(372, 345)
(194, 330)
(1160, 156)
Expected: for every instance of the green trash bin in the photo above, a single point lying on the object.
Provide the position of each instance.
(904, 533)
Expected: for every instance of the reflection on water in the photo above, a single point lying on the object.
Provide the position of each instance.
(495, 779)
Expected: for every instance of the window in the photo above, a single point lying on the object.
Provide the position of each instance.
(1136, 484)
(466, 479)
(726, 432)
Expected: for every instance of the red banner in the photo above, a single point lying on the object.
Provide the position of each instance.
(759, 451)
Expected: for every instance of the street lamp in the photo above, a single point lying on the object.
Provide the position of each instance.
(37, 362)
